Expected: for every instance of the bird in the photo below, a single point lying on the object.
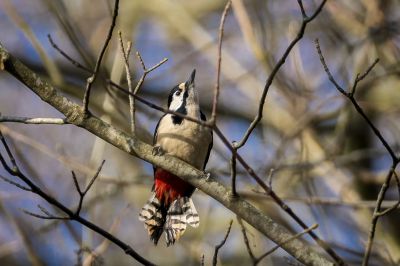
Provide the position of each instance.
(170, 207)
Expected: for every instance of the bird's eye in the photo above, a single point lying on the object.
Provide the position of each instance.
(177, 93)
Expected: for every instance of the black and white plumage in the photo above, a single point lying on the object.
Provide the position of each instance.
(170, 208)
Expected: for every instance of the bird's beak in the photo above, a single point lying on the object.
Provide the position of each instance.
(190, 81)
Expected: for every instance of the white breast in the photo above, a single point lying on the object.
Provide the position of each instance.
(188, 141)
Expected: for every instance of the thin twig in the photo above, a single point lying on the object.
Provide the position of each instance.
(246, 240)
(125, 54)
(64, 54)
(15, 168)
(270, 176)
(93, 77)
(217, 247)
(15, 183)
(395, 160)
(130, 145)
(275, 70)
(45, 217)
(248, 169)
(260, 195)
(82, 194)
(51, 216)
(219, 58)
(303, 12)
(276, 198)
(350, 96)
(70, 214)
(269, 252)
(37, 120)
(146, 71)
(233, 173)
(396, 205)
(156, 107)
(376, 215)
(359, 78)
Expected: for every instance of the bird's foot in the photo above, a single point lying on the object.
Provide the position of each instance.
(207, 175)
(158, 151)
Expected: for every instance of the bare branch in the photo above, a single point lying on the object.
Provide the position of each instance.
(136, 147)
(93, 77)
(76, 183)
(233, 173)
(44, 217)
(276, 198)
(139, 56)
(15, 183)
(303, 12)
(70, 215)
(156, 107)
(377, 213)
(28, 120)
(320, 200)
(270, 176)
(125, 54)
(217, 247)
(219, 57)
(10, 156)
(251, 172)
(378, 134)
(269, 252)
(396, 205)
(359, 78)
(64, 54)
(156, 66)
(275, 70)
(146, 71)
(246, 240)
(82, 194)
(354, 102)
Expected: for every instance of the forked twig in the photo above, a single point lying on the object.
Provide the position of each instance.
(217, 247)
(83, 193)
(395, 160)
(70, 215)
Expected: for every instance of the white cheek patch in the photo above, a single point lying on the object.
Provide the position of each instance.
(176, 102)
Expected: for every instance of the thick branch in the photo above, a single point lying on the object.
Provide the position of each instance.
(75, 115)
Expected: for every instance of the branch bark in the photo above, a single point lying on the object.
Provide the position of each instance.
(75, 115)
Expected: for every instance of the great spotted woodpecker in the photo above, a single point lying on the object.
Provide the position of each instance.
(170, 208)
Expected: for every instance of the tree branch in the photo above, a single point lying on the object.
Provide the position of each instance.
(275, 70)
(75, 115)
(217, 247)
(29, 120)
(219, 58)
(93, 77)
(395, 160)
(14, 171)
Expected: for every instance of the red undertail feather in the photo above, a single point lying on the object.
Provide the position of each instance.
(170, 209)
(169, 187)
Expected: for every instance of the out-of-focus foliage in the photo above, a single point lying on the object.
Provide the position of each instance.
(328, 164)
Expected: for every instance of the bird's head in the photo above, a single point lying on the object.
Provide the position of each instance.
(183, 96)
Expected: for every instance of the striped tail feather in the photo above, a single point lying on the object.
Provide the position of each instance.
(180, 214)
(153, 219)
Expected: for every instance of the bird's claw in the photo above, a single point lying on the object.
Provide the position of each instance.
(157, 151)
(207, 175)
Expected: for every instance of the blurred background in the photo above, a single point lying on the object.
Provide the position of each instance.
(328, 165)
